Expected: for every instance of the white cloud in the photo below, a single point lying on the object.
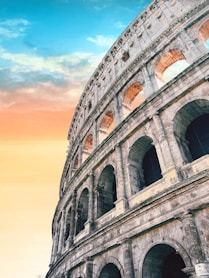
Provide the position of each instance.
(11, 29)
(102, 40)
(120, 25)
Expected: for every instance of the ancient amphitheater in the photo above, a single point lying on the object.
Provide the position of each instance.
(134, 193)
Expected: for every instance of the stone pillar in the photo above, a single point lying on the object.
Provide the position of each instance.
(150, 83)
(128, 260)
(167, 162)
(54, 246)
(194, 245)
(117, 111)
(122, 202)
(80, 154)
(90, 220)
(61, 233)
(166, 158)
(95, 135)
(89, 267)
(72, 220)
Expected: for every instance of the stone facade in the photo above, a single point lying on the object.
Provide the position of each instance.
(134, 193)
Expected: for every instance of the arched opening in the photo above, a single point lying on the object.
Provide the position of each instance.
(204, 34)
(88, 146)
(106, 188)
(106, 126)
(67, 226)
(133, 97)
(82, 211)
(197, 136)
(143, 164)
(169, 65)
(162, 261)
(191, 129)
(110, 271)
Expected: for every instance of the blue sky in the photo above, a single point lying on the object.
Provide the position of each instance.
(57, 43)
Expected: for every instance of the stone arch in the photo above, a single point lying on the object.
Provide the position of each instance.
(107, 193)
(109, 271)
(79, 274)
(170, 63)
(110, 261)
(88, 146)
(163, 261)
(106, 125)
(143, 164)
(82, 210)
(133, 97)
(191, 115)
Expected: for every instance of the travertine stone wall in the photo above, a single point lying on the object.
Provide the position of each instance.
(115, 214)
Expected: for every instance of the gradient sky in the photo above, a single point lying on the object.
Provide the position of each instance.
(48, 50)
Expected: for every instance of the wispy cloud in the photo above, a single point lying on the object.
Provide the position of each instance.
(13, 28)
(102, 41)
(44, 83)
(120, 25)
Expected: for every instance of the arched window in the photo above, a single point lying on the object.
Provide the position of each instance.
(197, 135)
(143, 164)
(106, 125)
(169, 65)
(82, 211)
(133, 97)
(88, 146)
(110, 271)
(106, 188)
(191, 129)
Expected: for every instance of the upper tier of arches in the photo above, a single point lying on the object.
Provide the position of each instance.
(119, 87)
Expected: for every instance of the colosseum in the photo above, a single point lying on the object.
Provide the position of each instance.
(134, 192)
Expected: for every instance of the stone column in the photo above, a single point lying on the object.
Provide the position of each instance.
(61, 233)
(150, 83)
(54, 246)
(91, 202)
(80, 154)
(122, 202)
(167, 162)
(194, 245)
(95, 135)
(89, 267)
(166, 157)
(72, 220)
(117, 111)
(128, 260)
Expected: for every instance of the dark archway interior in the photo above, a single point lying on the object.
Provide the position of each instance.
(172, 266)
(151, 167)
(110, 271)
(107, 191)
(197, 135)
(162, 261)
